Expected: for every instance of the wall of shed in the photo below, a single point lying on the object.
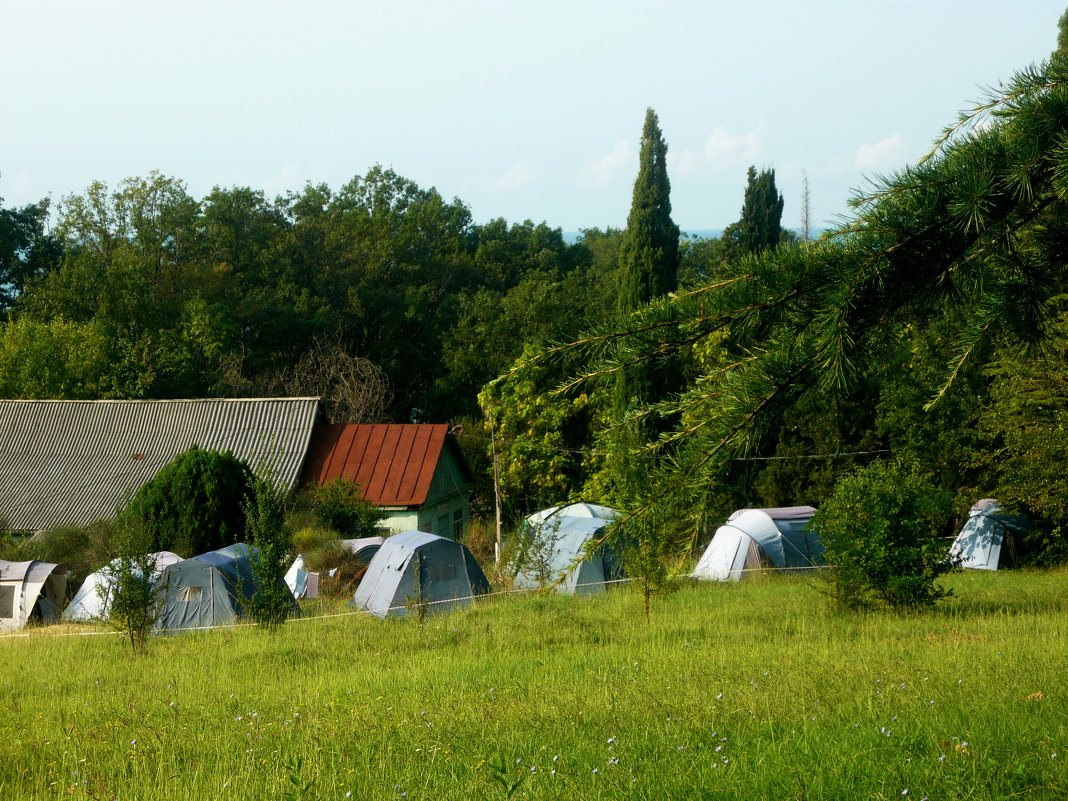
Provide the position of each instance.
(447, 509)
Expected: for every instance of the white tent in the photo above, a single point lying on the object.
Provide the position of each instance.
(30, 589)
(93, 599)
(780, 535)
(978, 546)
(578, 509)
(557, 552)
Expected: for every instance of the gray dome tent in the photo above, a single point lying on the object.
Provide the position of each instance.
(978, 546)
(557, 551)
(209, 590)
(30, 590)
(781, 535)
(415, 568)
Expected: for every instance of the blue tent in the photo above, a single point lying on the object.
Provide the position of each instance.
(415, 569)
(209, 590)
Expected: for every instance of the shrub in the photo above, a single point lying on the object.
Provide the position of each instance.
(195, 503)
(339, 569)
(129, 583)
(883, 529)
(340, 505)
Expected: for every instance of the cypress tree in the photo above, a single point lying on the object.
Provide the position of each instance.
(761, 225)
(649, 252)
(649, 263)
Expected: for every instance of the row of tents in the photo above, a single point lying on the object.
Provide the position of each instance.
(562, 548)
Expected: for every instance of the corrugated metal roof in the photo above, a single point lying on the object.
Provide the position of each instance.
(70, 462)
(393, 463)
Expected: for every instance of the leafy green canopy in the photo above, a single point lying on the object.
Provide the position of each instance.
(979, 229)
(195, 503)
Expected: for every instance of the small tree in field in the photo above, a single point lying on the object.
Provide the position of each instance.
(883, 529)
(134, 599)
(265, 528)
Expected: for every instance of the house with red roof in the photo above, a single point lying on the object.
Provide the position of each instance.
(414, 472)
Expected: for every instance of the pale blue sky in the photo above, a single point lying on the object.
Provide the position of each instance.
(520, 109)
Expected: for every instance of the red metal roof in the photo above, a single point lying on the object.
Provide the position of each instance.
(392, 463)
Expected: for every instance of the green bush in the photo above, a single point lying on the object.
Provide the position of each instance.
(883, 527)
(195, 503)
(339, 504)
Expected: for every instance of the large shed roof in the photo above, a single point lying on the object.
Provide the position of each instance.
(394, 464)
(71, 462)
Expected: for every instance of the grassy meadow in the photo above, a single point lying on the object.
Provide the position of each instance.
(747, 691)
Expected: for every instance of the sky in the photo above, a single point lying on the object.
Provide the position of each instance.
(521, 110)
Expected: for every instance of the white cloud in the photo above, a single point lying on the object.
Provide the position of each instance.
(884, 153)
(723, 148)
(603, 170)
(684, 163)
(519, 176)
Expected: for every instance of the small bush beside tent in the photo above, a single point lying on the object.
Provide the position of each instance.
(779, 535)
(208, 590)
(978, 545)
(93, 599)
(555, 552)
(30, 590)
(415, 569)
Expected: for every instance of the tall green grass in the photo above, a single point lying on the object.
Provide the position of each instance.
(747, 691)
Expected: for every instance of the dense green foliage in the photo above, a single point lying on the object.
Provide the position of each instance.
(195, 503)
(760, 227)
(884, 528)
(340, 506)
(743, 691)
(823, 341)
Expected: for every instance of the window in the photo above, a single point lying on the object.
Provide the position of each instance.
(7, 602)
(190, 595)
(457, 524)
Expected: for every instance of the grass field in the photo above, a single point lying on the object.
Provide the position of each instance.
(740, 691)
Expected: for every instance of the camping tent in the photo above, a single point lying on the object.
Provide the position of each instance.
(208, 590)
(577, 509)
(30, 590)
(978, 546)
(415, 568)
(305, 584)
(556, 553)
(780, 535)
(93, 599)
